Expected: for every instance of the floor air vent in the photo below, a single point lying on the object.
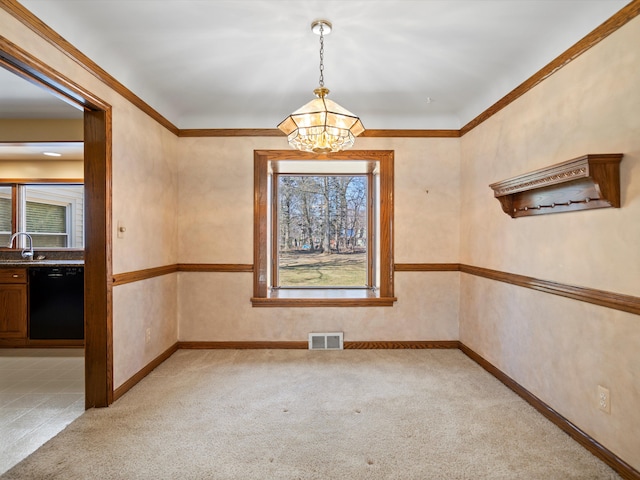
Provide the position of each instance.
(326, 341)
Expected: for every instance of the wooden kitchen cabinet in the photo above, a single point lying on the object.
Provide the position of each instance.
(13, 303)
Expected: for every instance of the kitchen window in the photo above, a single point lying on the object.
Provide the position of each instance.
(338, 208)
(6, 214)
(53, 214)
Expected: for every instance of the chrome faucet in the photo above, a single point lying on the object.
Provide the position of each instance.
(26, 252)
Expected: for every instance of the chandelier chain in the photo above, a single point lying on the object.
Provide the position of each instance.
(321, 55)
(321, 126)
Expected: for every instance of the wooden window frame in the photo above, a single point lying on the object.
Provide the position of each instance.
(263, 295)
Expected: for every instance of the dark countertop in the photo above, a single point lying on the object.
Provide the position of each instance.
(42, 257)
(40, 263)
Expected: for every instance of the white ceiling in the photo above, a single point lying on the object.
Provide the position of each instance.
(36, 151)
(249, 63)
(22, 99)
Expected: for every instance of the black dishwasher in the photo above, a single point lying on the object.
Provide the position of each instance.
(56, 303)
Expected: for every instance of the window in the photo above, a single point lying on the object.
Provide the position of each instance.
(53, 214)
(323, 229)
(5, 214)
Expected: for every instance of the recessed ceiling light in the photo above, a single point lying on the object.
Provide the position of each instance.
(52, 154)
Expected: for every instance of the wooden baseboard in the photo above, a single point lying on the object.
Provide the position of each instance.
(143, 372)
(620, 466)
(243, 345)
(305, 345)
(396, 345)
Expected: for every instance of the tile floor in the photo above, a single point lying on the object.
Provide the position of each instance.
(41, 392)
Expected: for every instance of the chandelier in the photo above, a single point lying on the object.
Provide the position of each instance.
(321, 126)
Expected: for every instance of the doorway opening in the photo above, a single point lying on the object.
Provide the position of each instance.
(98, 364)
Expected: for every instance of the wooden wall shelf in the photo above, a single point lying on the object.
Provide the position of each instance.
(590, 181)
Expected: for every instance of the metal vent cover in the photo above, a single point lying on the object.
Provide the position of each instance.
(326, 341)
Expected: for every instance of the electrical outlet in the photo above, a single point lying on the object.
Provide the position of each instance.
(147, 337)
(604, 399)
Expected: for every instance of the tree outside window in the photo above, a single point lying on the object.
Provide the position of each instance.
(323, 226)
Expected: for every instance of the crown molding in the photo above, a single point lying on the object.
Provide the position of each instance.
(619, 19)
(274, 132)
(230, 132)
(411, 133)
(53, 38)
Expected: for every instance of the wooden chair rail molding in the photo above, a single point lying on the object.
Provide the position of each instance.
(616, 301)
(426, 267)
(590, 181)
(215, 267)
(138, 275)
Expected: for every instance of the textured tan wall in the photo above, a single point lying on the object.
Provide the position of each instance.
(558, 348)
(32, 169)
(561, 349)
(216, 226)
(138, 306)
(145, 202)
(216, 307)
(41, 130)
(145, 192)
(144, 196)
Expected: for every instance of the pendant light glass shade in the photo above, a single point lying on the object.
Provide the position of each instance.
(321, 126)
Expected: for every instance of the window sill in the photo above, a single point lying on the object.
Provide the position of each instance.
(323, 297)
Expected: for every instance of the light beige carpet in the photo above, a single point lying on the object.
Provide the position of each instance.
(291, 414)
